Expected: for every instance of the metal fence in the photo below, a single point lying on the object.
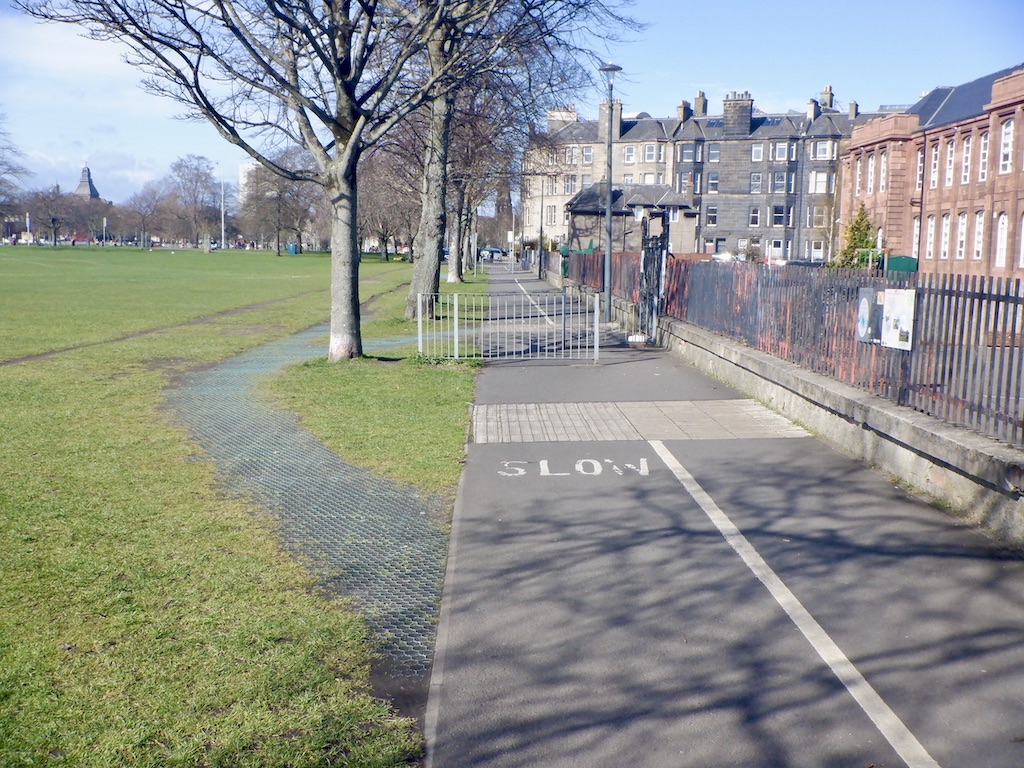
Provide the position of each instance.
(508, 326)
(965, 365)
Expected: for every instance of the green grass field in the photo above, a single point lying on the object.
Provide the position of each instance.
(149, 619)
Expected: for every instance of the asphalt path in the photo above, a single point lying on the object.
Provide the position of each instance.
(726, 598)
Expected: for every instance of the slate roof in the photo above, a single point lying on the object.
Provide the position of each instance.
(951, 104)
(625, 197)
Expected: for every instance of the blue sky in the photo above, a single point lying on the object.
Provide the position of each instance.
(70, 101)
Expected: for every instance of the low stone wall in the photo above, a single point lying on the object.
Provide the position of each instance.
(974, 477)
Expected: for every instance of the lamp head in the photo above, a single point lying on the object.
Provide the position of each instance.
(609, 70)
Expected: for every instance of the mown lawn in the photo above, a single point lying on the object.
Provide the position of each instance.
(148, 618)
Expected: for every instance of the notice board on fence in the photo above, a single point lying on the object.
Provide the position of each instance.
(898, 317)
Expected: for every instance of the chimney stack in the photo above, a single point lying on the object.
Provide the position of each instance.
(700, 105)
(739, 112)
(684, 112)
(827, 100)
(813, 110)
(854, 110)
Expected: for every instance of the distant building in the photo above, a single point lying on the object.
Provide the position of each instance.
(944, 178)
(85, 187)
(744, 182)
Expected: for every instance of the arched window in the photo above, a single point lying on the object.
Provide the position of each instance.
(929, 239)
(961, 235)
(979, 234)
(1002, 231)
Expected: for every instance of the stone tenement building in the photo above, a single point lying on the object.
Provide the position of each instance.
(945, 179)
(742, 182)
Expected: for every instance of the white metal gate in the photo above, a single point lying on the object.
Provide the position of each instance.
(508, 326)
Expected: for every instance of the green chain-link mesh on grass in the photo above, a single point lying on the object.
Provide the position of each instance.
(366, 538)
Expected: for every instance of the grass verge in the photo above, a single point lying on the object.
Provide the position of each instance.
(150, 620)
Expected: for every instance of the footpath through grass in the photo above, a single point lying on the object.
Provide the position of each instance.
(150, 620)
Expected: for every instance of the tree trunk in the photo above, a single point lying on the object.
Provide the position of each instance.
(346, 339)
(458, 241)
(433, 219)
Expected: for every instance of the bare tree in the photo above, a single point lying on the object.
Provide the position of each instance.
(280, 203)
(192, 187)
(144, 207)
(11, 171)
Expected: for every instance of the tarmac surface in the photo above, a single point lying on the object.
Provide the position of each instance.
(646, 569)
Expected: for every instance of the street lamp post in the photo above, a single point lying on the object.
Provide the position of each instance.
(608, 70)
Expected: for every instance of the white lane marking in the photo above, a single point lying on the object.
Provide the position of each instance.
(550, 321)
(890, 726)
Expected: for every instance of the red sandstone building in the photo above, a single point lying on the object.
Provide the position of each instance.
(944, 180)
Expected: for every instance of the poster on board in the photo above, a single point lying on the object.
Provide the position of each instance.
(898, 318)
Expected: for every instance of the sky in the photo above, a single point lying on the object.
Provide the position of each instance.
(70, 102)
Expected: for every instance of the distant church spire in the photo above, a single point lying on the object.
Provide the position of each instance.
(85, 187)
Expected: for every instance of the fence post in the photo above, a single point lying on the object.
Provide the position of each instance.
(455, 323)
(597, 326)
(419, 324)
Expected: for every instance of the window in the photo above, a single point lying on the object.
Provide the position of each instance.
(933, 179)
(983, 158)
(569, 184)
(791, 182)
(714, 151)
(944, 241)
(915, 241)
(686, 153)
(756, 153)
(755, 183)
(627, 178)
(755, 217)
(696, 183)
(822, 150)
(778, 215)
(1002, 225)
(779, 151)
(929, 241)
(586, 180)
(712, 216)
(779, 181)
(1006, 147)
(588, 155)
(817, 250)
(818, 182)
(661, 178)
(713, 182)
(856, 178)
(650, 152)
(871, 174)
(552, 214)
(817, 216)
(552, 185)
(629, 154)
(684, 182)
(883, 171)
(961, 235)
(950, 152)
(571, 155)
(661, 153)
(673, 215)
(648, 178)
(965, 162)
(700, 153)
(920, 169)
(527, 216)
(775, 249)
(979, 234)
